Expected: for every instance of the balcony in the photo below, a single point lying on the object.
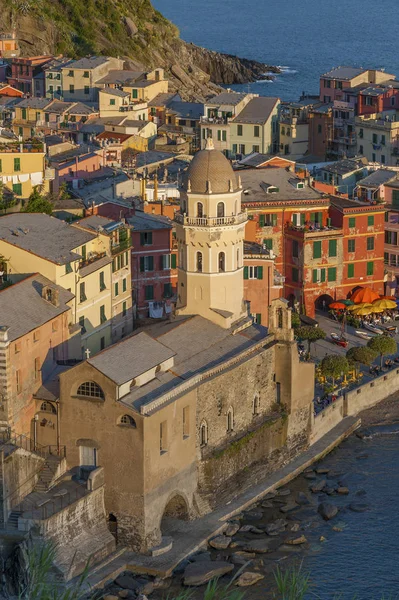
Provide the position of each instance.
(210, 221)
(215, 120)
(314, 231)
(70, 126)
(278, 279)
(91, 258)
(121, 247)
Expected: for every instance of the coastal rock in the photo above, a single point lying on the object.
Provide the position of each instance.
(232, 529)
(267, 504)
(201, 557)
(241, 558)
(322, 471)
(253, 515)
(221, 542)
(256, 530)
(269, 496)
(127, 582)
(295, 540)
(318, 487)
(362, 456)
(310, 475)
(327, 511)
(358, 507)
(294, 527)
(363, 433)
(245, 529)
(289, 507)
(343, 490)
(335, 528)
(110, 597)
(125, 594)
(284, 492)
(262, 546)
(361, 492)
(164, 584)
(276, 526)
(329, 490)
(202, 572)
(131, 26)
(302, 499)
(248, 578)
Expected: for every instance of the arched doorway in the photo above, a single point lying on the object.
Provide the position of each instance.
(113, 526)
(323, 302)
(176, 508)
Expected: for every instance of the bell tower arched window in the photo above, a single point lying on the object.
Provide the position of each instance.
(220, 209)
(222, 262)
(200, 210)
(199, 262)
(203, 433)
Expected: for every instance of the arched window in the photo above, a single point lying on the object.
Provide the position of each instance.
(288, 131)
(255, 407)
(203, 433)
(222, 261)
(199, 262)
(220, 209)
(230, 420)
(200, 210)
(48, 407)
(280, 318)
(89, 389)
(128, 421)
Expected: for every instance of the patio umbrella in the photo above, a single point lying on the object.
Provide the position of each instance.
(384, 304)
(355, 307)
(338, 306)
(364, 295)
(362, 312)
(393, 298)
(347, 302)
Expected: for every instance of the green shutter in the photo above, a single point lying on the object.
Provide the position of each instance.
(351, 270)
(274, 216)
(173, 261)
(352, 222)
(322, 274)
(261, 220)
(245, 272)
(332, 274)
(149, 292)
(370, 220)
(314, 275)
(370, 268)
(295, 219)
(316, 249)
(268, 242)
(260, 273)
(116, 289)
(320, 218)
(142, 264)
(150, 263)
(303, 218)
(258, 319)
(124, 284)
(332, 248)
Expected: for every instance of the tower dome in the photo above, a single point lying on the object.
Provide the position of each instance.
(210, 173)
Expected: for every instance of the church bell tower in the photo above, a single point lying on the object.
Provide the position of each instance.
(210, 234)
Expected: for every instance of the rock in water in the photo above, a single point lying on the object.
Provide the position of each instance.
(283, 492)
(240, 558)
(322, 471)
(232, 529)
(253, 515)
(317, 487)
(221, 542)
(248, 578)
(262, 546)
(289, 507)
(302, 499)
(127, 582)
(327, 511)
(343, 490)
(295, 540)
(358, 507)
(202, 572)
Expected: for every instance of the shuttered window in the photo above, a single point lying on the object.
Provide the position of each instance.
(316, 249)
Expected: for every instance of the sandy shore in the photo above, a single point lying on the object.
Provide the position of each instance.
(383, 413)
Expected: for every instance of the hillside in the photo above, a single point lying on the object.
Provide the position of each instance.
(131, 29)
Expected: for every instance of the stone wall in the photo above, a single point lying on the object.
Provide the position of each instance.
(371, 393)
(327, 419)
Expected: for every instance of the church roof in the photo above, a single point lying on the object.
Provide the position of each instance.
(210, 172)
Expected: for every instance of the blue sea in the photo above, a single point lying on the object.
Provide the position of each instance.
(304, 37)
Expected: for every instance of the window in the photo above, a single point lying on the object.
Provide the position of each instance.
(124, 309)
(1, 165)
(370, 268)
(351, 245)
(116, 289)
(386, 257)
(316, 249)
(319, 275)
(332, 248)
(146, 263)
(163, 434)
(199, 262)
(68, 268)
(351, 270)
(134, 93)
(86, 74)
(17, 164)
(383, 140)
(71, 89)
(370, 243)
(124, 284)
(149, 292)
(383, 159)
(370, 221)
(90, 389)
(36, 335)
(165, 262)
(295, 275)
(373, 157)
(87, 89)
(242, 148)
(167, 290)
(230, 420)
(37, 368)
(375, 138)
(253, 272)
(255, 148)
(102, 343)
(360, 149)
(128, 421)
(82, 324)
(70, 73)
(256, 131)
(268, 243)
(18, 381)
(186, 422)
(17, 347)
(319, 129)
(102, 281)
(200, 210)
(173, 261)
(295, 249)
(386, 217)
(239, 130)
(283, 130)
(103, 317)
(332, 274)
(220, 209)
(146, 238)
(84, 253)
(203, 434)
(17, 189)
(48, 407)
(258, 318)
(222, 261)
(352, 222)
(82, 292)
(224, 136)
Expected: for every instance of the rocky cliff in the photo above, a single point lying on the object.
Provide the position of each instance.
(131, 29)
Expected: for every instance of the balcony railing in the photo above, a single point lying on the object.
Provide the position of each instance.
(123, 245)
(215, 120)
(278, 279)
(91, 258)
(211, 221)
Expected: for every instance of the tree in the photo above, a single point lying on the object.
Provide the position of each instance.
(311, 334)
(295, 320)
(361, 355)
(382, 345)
(334, 365)
(38, 203)
(6, 200)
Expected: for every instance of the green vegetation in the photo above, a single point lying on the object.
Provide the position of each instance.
(310, 334)
(38, 203)
(7, 200)
(361, 355)
(334, 366)
(295, 320)
(382, 345)
(237, 445)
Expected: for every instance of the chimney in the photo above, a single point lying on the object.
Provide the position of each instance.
(51, 295)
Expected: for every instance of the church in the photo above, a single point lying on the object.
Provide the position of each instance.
(175, 413)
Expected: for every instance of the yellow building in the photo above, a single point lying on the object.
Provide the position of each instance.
(29, 114)
(146, 89)
(378, 137)
(115, 102)
(23, 166)
(80, 77)
(75, 259)
(255, 128)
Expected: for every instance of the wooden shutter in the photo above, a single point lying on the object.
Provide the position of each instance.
(316, 249)
(142, 264)
(260, 273)
(261, 220)
(274, 220)
(303, 218)
(314, 275)
(245, 272)
(150, 263)
(173, 261)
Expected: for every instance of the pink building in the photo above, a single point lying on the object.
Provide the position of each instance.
(70, 169)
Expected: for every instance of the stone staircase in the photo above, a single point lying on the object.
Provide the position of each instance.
(201, 504)
(48, 474)
(12, 522)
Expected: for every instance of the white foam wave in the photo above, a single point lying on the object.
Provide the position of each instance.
(287, 70)
(264, 81)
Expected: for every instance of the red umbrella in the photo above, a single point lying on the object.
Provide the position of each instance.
(337, 306)
(364, 295)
